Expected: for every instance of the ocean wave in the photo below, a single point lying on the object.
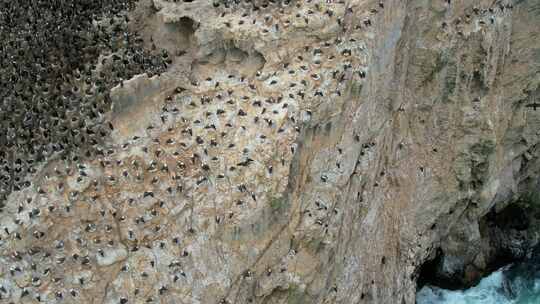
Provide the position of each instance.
(513, 284)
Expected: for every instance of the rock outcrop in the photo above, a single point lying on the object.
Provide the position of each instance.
(295, 152)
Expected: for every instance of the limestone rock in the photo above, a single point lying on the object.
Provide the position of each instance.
(299, 152)
(111, 256)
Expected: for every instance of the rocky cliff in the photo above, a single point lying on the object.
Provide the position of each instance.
(294, 152)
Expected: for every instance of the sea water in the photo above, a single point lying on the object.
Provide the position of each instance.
(513, 284)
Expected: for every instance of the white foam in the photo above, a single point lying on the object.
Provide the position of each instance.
(488, 291)
(494, 289)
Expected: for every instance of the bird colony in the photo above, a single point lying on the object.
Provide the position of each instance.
(175, 203)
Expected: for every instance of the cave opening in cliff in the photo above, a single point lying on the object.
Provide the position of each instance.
(427, 275)
(507, 236)
(508, 233)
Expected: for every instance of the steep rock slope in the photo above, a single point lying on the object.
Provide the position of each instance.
(300, 152)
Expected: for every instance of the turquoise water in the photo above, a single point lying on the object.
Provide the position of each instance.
(514, 284)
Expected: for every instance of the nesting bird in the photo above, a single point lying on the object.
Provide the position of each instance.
(51, 83)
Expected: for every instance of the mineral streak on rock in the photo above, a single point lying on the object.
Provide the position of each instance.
(267, 151)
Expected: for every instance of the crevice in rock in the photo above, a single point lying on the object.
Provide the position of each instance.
(175, 37)
(158, 31)
(186, 29)
(511, 217)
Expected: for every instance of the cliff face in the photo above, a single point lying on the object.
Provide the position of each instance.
(302, 152)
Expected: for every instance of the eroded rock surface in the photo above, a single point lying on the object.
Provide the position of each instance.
(300, 152)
